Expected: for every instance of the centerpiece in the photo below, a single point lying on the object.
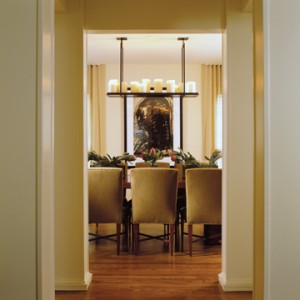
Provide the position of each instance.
(107, 160)
(153, 155)
(189, 161)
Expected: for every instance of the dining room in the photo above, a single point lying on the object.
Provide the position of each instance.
(129, 120)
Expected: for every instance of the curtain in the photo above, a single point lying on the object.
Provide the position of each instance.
(97, 114)
(211, 87)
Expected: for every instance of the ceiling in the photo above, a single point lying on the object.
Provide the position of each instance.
(154, 48)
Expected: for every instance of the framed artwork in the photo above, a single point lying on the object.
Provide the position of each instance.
(152, 122)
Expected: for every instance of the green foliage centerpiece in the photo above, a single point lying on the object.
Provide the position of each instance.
(189, 161)
(107, 160)
(152, 155)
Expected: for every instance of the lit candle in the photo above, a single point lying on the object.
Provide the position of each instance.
(113, 86)
(180, 87)
(158, 85)
(142, 87)
(147, 82)
(134, 86)
(124, 87)
(117, 87)
(170, 85)
(190, 87)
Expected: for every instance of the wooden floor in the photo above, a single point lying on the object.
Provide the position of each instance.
(153, 274)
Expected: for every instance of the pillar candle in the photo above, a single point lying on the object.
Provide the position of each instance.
(112, 86)
(142, 88)
(134, 86)
(148, 83)
(158, 85)
(124, 87)
(190, 87)
(180, 87)
(170, 84)
(117, 87)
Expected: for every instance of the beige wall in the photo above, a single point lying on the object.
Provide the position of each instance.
(237, 246)
(282, 221)
(71, 269)
(114, 139)
(18, 171)
(45, 146)
(192, 15)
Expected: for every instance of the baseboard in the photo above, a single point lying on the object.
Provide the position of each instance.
(238, 285)
(75, 285)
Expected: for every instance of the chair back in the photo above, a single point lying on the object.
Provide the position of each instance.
(105, 195)
(204, 195)
(154, 195)
(179, 168)
(163, 164)
(143, 164)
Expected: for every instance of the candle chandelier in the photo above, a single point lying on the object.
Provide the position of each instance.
(120, 88)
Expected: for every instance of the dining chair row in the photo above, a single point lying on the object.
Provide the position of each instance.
(154, 200)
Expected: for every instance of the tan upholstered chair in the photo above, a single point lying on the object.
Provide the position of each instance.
(143, 164)
(106, 198)
(179, 168)
(154, 193)
(163, 164)
(203, 198)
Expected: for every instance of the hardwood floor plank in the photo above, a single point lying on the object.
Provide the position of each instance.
(154, 274)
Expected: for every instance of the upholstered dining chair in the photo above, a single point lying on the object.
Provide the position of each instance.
(163, 164)
(203, 198)
(154, 195)
(106, 199)
(142, 164)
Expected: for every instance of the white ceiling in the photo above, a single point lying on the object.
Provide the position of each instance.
(154, 48)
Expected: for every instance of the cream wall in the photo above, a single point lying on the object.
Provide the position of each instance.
(71, 250)
(282, 243)
(18, 159)
(192, 15)
(114, 139)
(45, 150)
(237, 246)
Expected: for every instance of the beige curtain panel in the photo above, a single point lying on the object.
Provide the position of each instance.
(211, 87)
(97, 106)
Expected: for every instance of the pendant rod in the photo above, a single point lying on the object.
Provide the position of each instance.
(183, 39)
(121, 39)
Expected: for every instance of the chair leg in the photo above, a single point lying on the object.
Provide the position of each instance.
(166, 230)
(177, 234)
(135, 228)
(172, 229)
(190, 230)
(118, 229)
(182, 233)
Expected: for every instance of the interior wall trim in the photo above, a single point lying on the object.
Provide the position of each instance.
(237, 285)
(76, 285)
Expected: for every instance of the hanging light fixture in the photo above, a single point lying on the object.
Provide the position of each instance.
(120, 88)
